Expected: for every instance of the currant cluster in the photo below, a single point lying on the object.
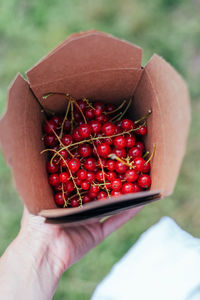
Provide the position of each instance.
(95, 152)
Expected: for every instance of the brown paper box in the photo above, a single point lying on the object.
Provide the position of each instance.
(101, 67)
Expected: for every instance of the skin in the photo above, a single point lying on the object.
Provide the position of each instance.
(33, 263)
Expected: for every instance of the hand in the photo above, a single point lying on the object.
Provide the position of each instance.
(42, 252)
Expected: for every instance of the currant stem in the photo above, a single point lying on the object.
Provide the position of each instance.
(113, 111)
(66, 114)
(127, 107)
(144, 117)
(152, 154)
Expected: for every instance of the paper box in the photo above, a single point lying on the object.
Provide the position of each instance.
(101, 67)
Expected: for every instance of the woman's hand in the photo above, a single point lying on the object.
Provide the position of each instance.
(32, 265)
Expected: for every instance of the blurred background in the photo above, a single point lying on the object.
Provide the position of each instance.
(30, 29)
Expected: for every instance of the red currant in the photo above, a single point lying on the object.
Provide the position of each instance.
(66, 139)
(54, 179)
(119, 152)
(86, 198)
(95, 126)
(139, 164)
(116, 184)
(108, 128)
(74, 202)
(90, 164)
(110, 165)
(52, 167)
(85, 185)
(102, 195)
(74, 165)
(119, 142)
(103, 150)
(85, 150)
(127, 124)
(69, 186)
(135, 152)
(82, 174)
(144, 181)
(116, 193)
(131, 175)
(130, 141)
(90, 176)
(120, 167)
(64, 176)
(84, 131)
(59, 199)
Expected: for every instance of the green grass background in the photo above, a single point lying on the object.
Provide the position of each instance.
(29, 29)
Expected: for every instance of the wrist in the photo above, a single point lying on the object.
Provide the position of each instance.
(27, 268)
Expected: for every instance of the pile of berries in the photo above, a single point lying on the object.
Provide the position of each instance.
(95, 152)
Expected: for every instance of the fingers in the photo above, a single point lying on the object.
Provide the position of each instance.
(115, 222)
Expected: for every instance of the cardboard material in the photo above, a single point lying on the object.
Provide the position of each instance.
(100, 67)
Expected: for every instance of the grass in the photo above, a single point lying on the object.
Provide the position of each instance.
(29, 29)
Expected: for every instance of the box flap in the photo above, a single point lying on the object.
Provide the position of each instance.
(101, 208)
(21, 143)
(110, 85)
(163, 90)
(77, 65)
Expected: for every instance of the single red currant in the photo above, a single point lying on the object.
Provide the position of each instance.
(50, 140)
(109, 107)
(140, 145)
(76, 136)
(110, 165)
(116, 184)
(111, 175)
(90, 164)
(89, 113)
(84, 131)
(82, 105)
(103, 150)
(116, 193)
(64, 176)
(108, 128)
(120, 167)
(146, 168)
(99, 176)
(95, 126)
(135, 152)
(82, 174)
(144, 181)
(52, 167)
(54, 179)
(120, 142)
(50, 127)
(85, 150)
(86, 198)
(85, 185)
(66, 139)
(102, 195)
(69, 186)
(59, 199)
(139, 164)
(127, 124)
(74, 165)
(127, 188)
(74, 202)
(131, 175)
(130, 141)
(90, 176)
(119, 152)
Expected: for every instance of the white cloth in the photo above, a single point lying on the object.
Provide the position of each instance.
(164, 264)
